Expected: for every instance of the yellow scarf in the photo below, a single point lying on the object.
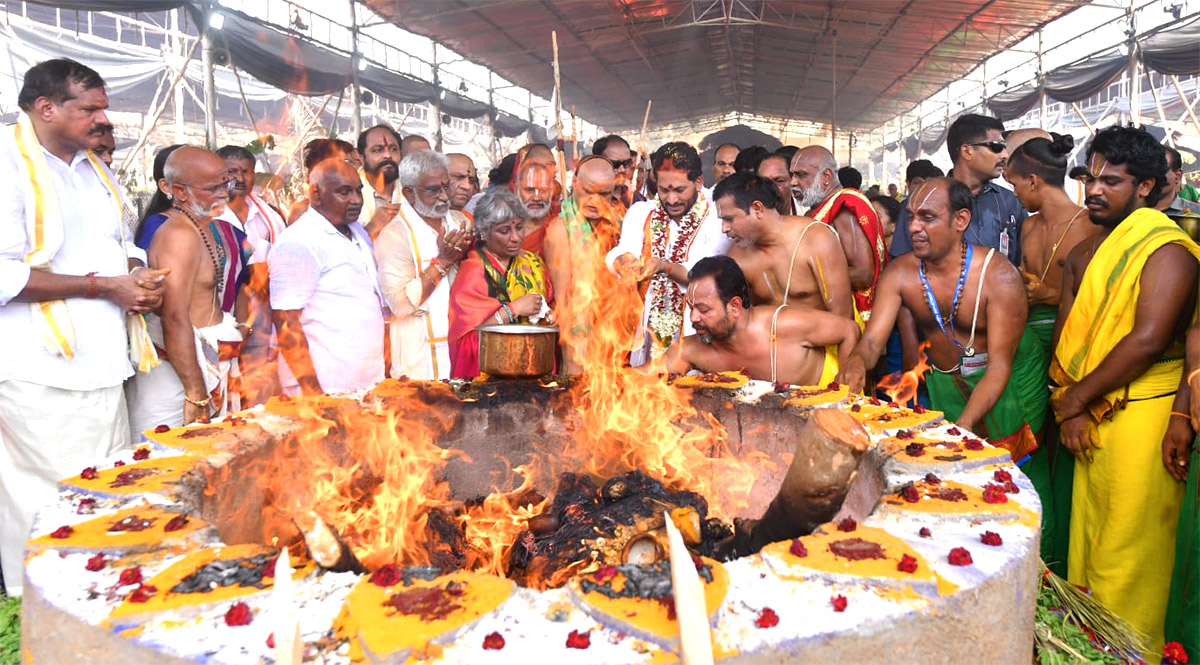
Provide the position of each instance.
(1105, 307)
(44, 228)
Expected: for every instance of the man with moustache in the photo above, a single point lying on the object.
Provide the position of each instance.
(325, 296)
(380, 150)
(576, 243)
(190, 328)
(262, 226)
(779, 345)
(661, 240)
(616, 150)
(786, 260)
(464, 181)
(535, 188)
(979, 152)
(69, 276)
(108, 144)
(774, 167)
(815, 185)
(970, 305)
(418, 257)
(1129, 296)
(723, 158)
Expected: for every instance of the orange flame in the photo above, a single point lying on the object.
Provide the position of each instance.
(901, 387)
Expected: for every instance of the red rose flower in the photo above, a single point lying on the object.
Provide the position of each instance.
(918, 409)
(953, 431)
(85, 507)
(605, 573)
(88, 473)
(1011, 488)
(142, 593)
(162, 429)
(973, 444)
(911, 494)
(1001, 476)
(1173, 652)
(914, 449)
(839, 603)
(959, 556)
(62, 532)
(578, 640)
(239, 615)
(797, 549)
(904, 434)
(386, 576)
(118, 464)
(493, 641)
(176, 523)
(141, 454)
(908, 564)
(932, 479)
(96, 563)
(847, 525)
(834, 385)
(130, 576)
(767, 618)
(925, 532)
(994, 494)
(991, 538)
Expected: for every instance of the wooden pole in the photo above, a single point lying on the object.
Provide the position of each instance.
(558, 126)
(643, 148)
(1079, 112)
(574, 139)
(1184, 100)
(159, 111)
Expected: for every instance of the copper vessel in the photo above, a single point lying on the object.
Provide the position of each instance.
(517, 350)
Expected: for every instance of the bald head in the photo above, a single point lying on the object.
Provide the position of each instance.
(595, 183)
(197, 179)
(813, 175)
(1019, 136)
(413, 143)
(335, 191)
(538, 154)
(464, 181)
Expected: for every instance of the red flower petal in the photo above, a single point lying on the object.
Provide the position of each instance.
(911, 494)
(142, 593)
(905, 434)
(578, 640)
(176, 523)
(908, 564)
(953, 431)
(605, 573)
(141, 454)
(1173, 652)
(386, 576)
(973, 444)
(834, 385)
(797, 549)
(96, 563)
(88, 473)
(118, 464)
(839, 603)
(914, 449)
(495, 641)
(130, 576)
(85, 507)
(932, 479)
(847, 525)
(959, 556)
(271, 641)
(239, 615)
(991, 538)
(993, 493)
(1001, 476)
(1011, 488)
(162, 429)
(62, 532)
(767, 618)
(925, 532)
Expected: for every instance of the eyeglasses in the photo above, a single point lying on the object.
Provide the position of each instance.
(215, 190)
(621, 164)
(436, 190)
(995, 146)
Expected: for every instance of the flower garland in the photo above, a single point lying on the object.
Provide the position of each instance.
(666, 298)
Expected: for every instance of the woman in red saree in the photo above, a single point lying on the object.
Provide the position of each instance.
(497, 282)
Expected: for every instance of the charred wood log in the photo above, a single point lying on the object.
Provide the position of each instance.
(325, 546)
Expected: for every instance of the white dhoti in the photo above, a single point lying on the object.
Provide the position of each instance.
(156, 397)
(47, 434)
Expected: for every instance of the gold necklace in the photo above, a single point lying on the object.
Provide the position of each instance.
(1054, 247)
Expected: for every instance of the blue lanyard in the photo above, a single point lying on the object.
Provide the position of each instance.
(958, 289)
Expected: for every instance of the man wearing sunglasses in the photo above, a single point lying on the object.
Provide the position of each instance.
(196, 340)
(616, 150)
(976, 144)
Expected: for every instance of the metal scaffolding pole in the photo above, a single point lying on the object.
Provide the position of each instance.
(210, 92)
(355, 63)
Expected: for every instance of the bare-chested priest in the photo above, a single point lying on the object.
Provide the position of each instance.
(970, 305)
(786, 344)
(792, 260)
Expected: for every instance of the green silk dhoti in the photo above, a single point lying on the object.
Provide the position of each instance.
(1183, 605)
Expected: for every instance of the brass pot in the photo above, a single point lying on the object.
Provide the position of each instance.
(517, 350)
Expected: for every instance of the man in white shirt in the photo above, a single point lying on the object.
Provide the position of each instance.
(327, 307)
(69, 273)
(418, 256)
(683, 227)
(262, 226)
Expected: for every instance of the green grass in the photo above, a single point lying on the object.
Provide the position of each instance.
(10, 630)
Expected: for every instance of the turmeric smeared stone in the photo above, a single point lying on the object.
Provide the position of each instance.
(730, 380)
(149, 476)
(944, 449)
(937, 496)
(293, 407)
(396, 612)
(133, 529)
(811, 396)
(864, 555)
(889, 418)
(639, 601)
(208, 439)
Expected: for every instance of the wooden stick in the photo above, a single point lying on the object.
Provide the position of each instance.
(643, 148)
(695, 636)
(288, 647)
(574, 139)
(558, 127)
(149, 127)
(1184, 100)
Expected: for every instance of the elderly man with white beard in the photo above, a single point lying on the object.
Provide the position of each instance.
(196, 340)
(417, 256)
(536, 187)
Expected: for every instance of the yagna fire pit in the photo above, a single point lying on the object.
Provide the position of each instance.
(932, 556)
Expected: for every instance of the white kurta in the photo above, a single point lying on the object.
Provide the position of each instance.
(418, 330)
(331, 279)
(709, 241)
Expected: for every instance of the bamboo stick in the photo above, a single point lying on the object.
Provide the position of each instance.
(695, 636)
(558, 127)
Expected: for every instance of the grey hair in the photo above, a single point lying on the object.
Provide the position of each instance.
(828, 163)
(171, 172)
(419, 163)
(497, 206)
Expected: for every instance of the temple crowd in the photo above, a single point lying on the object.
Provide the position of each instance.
(1057, 316)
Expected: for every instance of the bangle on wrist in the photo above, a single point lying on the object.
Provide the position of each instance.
(437, 265)
(509, 312)
(195, 402)
(93, 281)
(496, 315)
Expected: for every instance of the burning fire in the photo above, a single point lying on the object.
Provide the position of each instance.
(901, 387)
(375, 475)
